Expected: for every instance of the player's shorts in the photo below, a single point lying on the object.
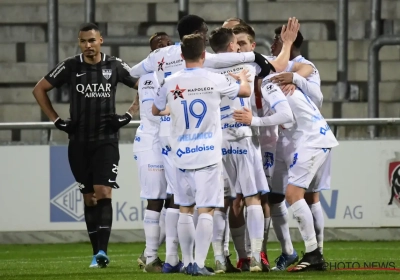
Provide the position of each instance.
(153, 184)
(243, 165)
(169, 168)
(203, 187)
(258, 168)
(94, 163)
(322, 180)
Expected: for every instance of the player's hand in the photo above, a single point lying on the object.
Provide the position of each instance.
(64, 125)
(243, 75)
(118, 121)
(243, 116)
(283, 79)
(288, 89)
(289, 32)
(264, 64)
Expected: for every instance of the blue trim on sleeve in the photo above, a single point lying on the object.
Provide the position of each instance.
(147, 99)
(277, 102)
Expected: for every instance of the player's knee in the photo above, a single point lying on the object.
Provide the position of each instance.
(102, 191)
(236, 221)
(275, 198)
(155, 205)
(311, 198)
(253, 200)
(90, 199)
(294, 194)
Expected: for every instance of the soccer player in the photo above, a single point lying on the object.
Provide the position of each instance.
(306, 153)
(147, 152)
(241, 159)
(310, 86)
(194, 96)
(92, 129)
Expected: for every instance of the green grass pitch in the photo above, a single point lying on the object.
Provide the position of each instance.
(71, 261)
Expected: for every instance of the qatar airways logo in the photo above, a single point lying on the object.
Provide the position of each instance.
(94, 90)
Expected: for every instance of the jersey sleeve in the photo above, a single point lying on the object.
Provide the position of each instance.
(283, 115)
(227, 86)
(123, 74)
(145, 66)
(272, 93)
(222, 60)
(160, 100)
(61, 74)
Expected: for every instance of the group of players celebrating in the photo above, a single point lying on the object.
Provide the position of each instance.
(225, 141)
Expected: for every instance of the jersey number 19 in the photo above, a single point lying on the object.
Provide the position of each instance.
(189, 110)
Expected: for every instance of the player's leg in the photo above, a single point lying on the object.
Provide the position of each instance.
(153, 188)
(104, 165)
(220, 221)
(305, 165)
(227, 233)
(322, 181)
(279, 211)
(208, 184)
(252, 187)
(237, 226)
(184, 195)
(172, 263)
(78, 161)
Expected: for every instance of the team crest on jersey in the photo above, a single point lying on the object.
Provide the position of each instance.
(107, 73)
(177, 92)
(394, 179)
(161, 65)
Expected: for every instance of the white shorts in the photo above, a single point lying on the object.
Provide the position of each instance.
(169, 168)
(305, 165)
(243, 165)
(203, 187)
(283, 158)
(153, 184)
(322, 180)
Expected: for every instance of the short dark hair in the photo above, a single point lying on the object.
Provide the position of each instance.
(157, 34)
(245, 28)
(192, 46)
(299, 39)
(241, 21)
(220, 39)
(89, 26)
(189, 24)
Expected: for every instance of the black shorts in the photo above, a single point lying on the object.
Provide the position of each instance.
(94, 163)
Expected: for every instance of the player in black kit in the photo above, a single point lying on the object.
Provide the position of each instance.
(92, 129)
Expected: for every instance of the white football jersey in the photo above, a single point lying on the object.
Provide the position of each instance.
(147, 133)
(232, 130)
(310, 128)
(194, 97)
(168, 60)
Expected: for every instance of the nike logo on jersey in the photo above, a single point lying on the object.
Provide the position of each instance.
(111, 181)
(121, 120)
(78, 75)
(63, 124)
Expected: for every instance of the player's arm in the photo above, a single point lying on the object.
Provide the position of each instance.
(228, 87)
(135, 106)
(54, 79)
(278, 103)
(222, 60)
(312, 88)
(160, 101)
(144, 67)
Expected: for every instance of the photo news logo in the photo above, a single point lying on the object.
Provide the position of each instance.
(367, 265)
